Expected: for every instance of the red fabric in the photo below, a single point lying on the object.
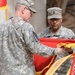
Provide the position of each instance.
(72, 72)
(41, 62)
(3, 3)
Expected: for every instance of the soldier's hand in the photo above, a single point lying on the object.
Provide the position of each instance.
(60, 50)
(69, 50)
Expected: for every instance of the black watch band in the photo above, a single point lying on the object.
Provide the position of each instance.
(70, 52)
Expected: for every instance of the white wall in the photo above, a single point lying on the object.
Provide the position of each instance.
(2, 16)
(11, 7)
(39, 19)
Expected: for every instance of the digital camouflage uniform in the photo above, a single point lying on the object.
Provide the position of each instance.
(18, 42)
(62, 33)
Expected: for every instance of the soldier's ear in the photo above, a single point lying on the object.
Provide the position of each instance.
(22, 10)
(48, 20)
(61, 19)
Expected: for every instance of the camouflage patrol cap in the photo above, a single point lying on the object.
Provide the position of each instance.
(28, 3)
(54, 12)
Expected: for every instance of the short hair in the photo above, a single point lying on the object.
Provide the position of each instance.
(18, 6)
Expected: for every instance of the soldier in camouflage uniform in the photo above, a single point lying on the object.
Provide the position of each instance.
(57, 31)
(18, 42)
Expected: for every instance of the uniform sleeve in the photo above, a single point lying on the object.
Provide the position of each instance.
(69, 34)
(34, 44)
(40, 35)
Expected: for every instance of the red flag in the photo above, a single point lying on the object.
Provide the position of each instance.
(3, 3)
(42, 64)
(72, 72)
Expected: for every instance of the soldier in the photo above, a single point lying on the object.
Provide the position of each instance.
(56, 30)
(18, 42)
